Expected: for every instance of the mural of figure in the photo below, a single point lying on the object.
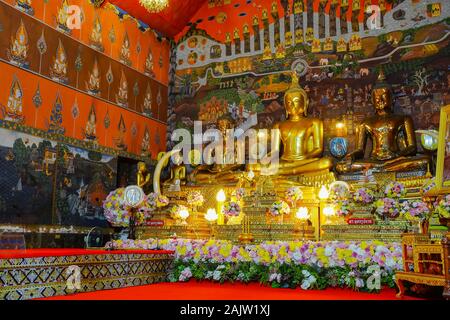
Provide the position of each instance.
(122, 96)
(93, 85)
(25, 5)
(18, 52)
(90, 132)
(145, 146)
(58, 70)
(148, 101)
(56, 118)
(96, 40)
(14, 105)
(125, 51)
(149, 65)
(61, 18)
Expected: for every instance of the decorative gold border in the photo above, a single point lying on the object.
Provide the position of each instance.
(445, 115)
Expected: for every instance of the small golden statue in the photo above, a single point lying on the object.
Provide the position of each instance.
(300, 137)
(143, 176)
(122, 97)
(394, 144)
(177, 173)
(93, 85)
(58, 71)
(18, 52)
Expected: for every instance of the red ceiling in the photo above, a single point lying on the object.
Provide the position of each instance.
(169, 22)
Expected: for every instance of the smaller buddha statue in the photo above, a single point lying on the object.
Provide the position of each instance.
(122, 96)
(281, 51)
(145, 146)
(148, 102)
(149, 65)
(61, 18)
(18, 52)
(58, 70)
(177, 173)
(15, 104)
(95, 37)
(90, 131)
(125, 51)
(267, 55)
(143, 177)
(93, 85)
(227, 172)
(394, 145)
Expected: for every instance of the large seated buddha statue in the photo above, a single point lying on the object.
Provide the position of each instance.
(298, 140)
(394, 147)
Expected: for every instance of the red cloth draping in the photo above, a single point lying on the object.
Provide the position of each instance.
(36, 253)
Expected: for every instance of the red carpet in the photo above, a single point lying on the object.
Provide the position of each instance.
(205, 290)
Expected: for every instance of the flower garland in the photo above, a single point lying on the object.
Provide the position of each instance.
(387, 208)
(117, 213)
(364, 196)
(343, 208)
(415, 210)
(231, 209)
(339, 191)
(293, 194)
(443, 207)
(395, 190)
(308, 265)
(279, 207)
(195, 198)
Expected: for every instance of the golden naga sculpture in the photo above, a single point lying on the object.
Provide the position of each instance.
(300, 137)
(393, 138)
(143, 176)
(226, 172)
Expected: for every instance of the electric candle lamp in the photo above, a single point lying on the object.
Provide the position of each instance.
(211, 215)
(220, 197)
(324, 193)
(184, 214)
(302, 214)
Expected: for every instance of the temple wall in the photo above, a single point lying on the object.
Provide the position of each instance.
(64, 146)
(331, 47)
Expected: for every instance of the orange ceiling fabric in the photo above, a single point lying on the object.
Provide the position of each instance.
(169, 22)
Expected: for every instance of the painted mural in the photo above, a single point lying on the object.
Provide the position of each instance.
(236, 56)
(84, 180)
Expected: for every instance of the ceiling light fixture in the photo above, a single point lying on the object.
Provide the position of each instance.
(154, 5)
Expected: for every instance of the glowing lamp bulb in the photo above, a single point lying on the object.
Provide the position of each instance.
(211, 215)
(221, 197)
(302, 213)
(184, 214)
(328, 211)
(324, 193)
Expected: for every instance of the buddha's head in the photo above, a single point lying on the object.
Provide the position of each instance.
(296, 100)
(142, 167)
(382, 95)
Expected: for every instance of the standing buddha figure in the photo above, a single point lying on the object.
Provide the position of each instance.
(394, 145)
(96, 35)
(122, 96)
(14, 105)
(93, 85)
(58, 70)
(18, 52)
(125, 51)
(148, 101)
(90, 131)
(149, 65)
(143, 177)
(300, 138)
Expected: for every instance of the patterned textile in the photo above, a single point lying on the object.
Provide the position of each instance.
(29, 278)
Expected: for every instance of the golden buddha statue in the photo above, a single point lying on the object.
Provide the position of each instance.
(125, 50)
(18, 52)
(90, 132)
(267, 55)
(143, 176)
(122, 97)
(96, 35)
(226, 172)
(177, 173)
(15, 104)
(148, 101)
(300, 137)
(393, 138)
(93, 85)
(58, 71)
